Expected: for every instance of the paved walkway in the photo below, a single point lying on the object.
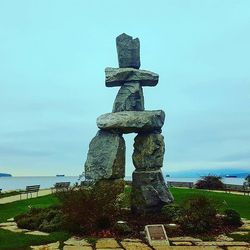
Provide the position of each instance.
(17, 197)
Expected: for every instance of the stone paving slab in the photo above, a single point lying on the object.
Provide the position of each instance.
(37, 233)
(77, 248)
(73, 241)
(187, 248)
(135, 246)
(182, 243)
(7, 224)
(51, 246)
(132, 240)
(184, 238)
(15, 229)
(222, 243)
(110, 248)
(245, 227)
(107, 243)
(241, 232)
(238, 248)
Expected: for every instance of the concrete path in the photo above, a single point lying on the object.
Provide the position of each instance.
(24, 196)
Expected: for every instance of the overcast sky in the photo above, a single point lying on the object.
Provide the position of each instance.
(52, 60)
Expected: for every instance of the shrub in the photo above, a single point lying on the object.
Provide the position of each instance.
(46, 219)
(248, 180)
(232, 218)
(198, 214)
(90, 209)
(210, 182)
(122, 229)
(171, 212)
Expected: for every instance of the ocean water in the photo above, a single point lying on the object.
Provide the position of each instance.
(15, 183)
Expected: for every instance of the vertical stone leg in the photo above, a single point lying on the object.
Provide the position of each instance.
(106, 157)
(149, 190)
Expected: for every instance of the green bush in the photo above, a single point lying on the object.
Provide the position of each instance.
(232, 218)
(198, 214)
(90, 209)
(47, 219)
(122, 229)
(210, 182)
(171, 212)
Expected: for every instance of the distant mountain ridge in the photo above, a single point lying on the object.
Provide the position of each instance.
(5, 175)
(240, 173)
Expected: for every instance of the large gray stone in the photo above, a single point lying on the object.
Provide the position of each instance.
(149, 192)
(129, 98)
(132, 121)
(106, 157)
(148, 151)
(118, 76)
(128, 50)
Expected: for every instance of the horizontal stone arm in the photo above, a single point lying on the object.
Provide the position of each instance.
(118, 76)
(132, 121)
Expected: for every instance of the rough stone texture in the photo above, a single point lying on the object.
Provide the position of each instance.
(106, 157)
(148, 151)
(149, 192)
(132, 121)
(129, 98)
(107, 243)
(128, 50)
(118, 76)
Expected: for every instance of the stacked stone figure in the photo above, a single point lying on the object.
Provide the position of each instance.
(106, 156)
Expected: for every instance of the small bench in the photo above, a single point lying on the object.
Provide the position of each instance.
(60, 186)
(238, 188)
(30, 190)
(185, 184)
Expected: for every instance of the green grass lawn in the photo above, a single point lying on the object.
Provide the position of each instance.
(14, 241)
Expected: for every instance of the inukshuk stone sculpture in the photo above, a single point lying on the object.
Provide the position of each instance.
(106, 156)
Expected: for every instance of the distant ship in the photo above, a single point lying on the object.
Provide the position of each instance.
(167, 175)
(230, 176)
(5, 175)
(60, 175)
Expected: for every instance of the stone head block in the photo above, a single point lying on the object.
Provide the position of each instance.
(128, 50)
